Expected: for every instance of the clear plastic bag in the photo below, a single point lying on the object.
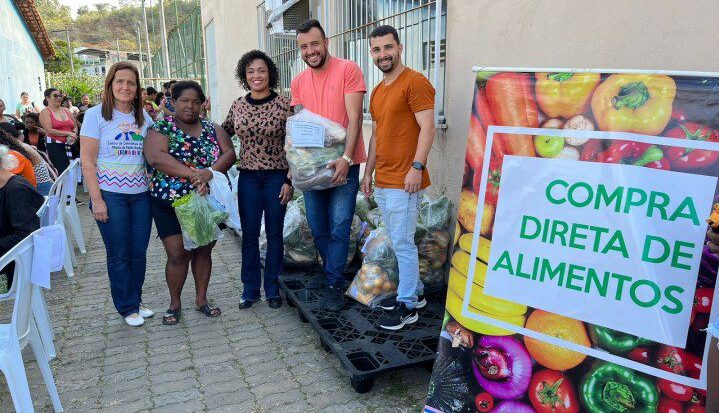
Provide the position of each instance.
(379, 275)
(300, 250)
(220, 189)
(435, 214)
(199, 217)
(433, 251)
(308, 165)
(364, 206)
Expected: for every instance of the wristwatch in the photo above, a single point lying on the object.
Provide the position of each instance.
(418, 165)
(348, 159)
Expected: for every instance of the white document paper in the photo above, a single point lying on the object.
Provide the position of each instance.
(307, 135)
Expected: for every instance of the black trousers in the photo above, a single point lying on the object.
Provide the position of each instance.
(57, 152)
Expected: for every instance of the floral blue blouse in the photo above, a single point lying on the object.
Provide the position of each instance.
(196, 152)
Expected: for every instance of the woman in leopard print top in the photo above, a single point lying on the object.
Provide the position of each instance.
(259, 119)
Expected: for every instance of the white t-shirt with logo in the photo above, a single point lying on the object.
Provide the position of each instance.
(120, 162)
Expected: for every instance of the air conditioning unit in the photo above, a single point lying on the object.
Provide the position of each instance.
(287, 15)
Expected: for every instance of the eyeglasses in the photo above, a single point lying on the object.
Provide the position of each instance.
(55, 96)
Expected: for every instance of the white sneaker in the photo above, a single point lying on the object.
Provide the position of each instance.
(145, 312)
(134, 320)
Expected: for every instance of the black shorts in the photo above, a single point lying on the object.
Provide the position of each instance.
(165, 219)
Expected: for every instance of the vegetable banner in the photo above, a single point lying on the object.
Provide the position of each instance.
(580, 279)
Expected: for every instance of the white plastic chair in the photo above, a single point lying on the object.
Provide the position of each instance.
(39, 309)
(70, 189)
(21, 331)
(58, 190)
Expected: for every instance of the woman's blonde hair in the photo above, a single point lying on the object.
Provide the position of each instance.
(7, 161)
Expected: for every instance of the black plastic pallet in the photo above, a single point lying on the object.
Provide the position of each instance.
(353, 334)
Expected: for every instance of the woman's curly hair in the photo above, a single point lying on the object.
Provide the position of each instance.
(251, 56)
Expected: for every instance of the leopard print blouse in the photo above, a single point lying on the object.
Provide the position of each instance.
(260, 125)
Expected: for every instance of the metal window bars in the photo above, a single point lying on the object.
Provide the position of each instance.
(348, 24)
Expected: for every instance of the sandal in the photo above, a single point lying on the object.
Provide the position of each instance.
(171, 317)
(209, 311)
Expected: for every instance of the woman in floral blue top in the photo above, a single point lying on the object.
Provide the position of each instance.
(180, 150)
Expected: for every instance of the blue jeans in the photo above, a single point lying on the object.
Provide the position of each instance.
(44, 188)
(329, 215)
(400, 211)
(258, 192)
(126, 235)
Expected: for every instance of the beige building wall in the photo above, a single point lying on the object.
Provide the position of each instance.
(617, 34)
(235, 23)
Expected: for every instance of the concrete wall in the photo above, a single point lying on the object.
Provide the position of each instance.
(623, 34)
(21, 65)
(235, 25)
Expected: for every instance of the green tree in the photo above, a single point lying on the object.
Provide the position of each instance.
(61, 63)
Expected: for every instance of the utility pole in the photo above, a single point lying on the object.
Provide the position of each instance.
(139, 47)
(117, 46)
(70, 54)
(147, 39)
(165, 52)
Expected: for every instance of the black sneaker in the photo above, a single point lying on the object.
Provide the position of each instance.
(245, 304)
(399, 317)
(390, 303)
(333, 299)
(317, 283)
(274, 302)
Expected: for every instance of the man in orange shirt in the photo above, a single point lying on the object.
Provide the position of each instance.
(332, 88)
(402, 108)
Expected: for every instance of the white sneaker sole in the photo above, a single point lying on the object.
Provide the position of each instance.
(146, 313)
(410, 320)
(134, 322)
(420, 304)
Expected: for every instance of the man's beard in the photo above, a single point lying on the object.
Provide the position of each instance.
(323, 58)
(389, 68)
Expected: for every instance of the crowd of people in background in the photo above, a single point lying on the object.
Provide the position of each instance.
(142, 149)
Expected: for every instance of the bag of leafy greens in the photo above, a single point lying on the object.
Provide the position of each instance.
(199, 217)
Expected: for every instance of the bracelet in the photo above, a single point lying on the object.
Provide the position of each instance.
(288, 181)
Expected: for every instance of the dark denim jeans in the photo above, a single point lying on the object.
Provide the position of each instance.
(258, 192)
(329, 214)
(126, 235)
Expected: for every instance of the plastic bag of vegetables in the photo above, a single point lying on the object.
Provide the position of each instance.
(363, 206)
(379, 275)
(311, 143)
(434, 214)
(433, 251)
(300, 250)
(199, 217)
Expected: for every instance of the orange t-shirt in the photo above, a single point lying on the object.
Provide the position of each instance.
(324, 94)
(393, 107)
(24, 168)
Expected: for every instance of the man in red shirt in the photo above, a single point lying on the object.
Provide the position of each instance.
(332, 88)
(402, 108)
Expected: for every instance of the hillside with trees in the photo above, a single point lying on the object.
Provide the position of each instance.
(104, 24)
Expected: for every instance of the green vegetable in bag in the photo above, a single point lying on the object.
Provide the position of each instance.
(434, 214)
(198, 219)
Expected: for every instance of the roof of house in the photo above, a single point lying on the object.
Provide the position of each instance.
(32, 18)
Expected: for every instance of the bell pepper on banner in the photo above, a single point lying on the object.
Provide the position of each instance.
(510, 98)
(689, 158)
(613, 388)
(565, 94)
(615, 342)
(634, 103)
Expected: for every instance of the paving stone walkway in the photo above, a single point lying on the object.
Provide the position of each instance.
(257, 360)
